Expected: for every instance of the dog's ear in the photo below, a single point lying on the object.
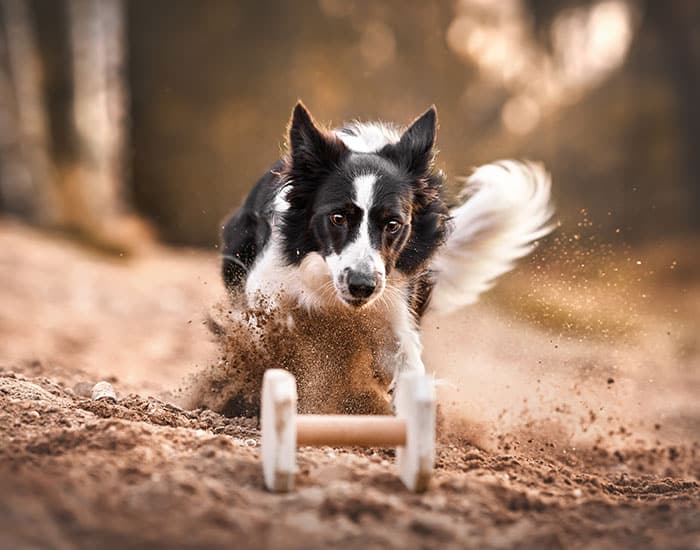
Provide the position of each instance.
(312, 149)
(415, 151)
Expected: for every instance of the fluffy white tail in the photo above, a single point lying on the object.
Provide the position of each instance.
(508, 208)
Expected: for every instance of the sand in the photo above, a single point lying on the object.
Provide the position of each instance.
(582, 436)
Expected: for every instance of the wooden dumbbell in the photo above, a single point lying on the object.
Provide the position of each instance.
(412, 430)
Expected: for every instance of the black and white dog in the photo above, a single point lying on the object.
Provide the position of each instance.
(355, 218)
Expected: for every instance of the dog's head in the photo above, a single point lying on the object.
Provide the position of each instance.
(366, 198)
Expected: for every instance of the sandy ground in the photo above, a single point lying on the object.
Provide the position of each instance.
(568, 401)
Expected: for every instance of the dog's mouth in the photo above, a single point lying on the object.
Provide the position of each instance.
(356, 303)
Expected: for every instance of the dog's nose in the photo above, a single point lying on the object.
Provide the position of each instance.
(361, 285)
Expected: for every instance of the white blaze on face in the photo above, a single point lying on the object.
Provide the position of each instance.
(359, 255)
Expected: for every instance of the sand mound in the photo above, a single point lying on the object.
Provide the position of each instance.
(330, 354)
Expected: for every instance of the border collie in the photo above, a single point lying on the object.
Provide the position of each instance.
(355, 218)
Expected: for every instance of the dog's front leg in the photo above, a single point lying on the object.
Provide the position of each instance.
(409, 346)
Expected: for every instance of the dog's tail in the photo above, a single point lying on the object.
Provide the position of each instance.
(508, 208)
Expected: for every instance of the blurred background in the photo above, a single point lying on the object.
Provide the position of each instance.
(125, 119)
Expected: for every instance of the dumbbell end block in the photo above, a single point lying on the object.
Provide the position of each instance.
(415, 403)
(278, 443)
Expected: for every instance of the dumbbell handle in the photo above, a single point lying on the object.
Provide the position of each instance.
(350, 430)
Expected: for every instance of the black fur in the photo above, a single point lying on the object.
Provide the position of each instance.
(415, 153)
(314, 156)
(429, 226)
(246, 233)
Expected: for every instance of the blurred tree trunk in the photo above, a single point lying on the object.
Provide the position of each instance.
(27, 183)
(678, 26)
(64, 99)
(98, 179)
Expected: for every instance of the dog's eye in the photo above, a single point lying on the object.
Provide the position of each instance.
(338, 219)
(392, 226)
